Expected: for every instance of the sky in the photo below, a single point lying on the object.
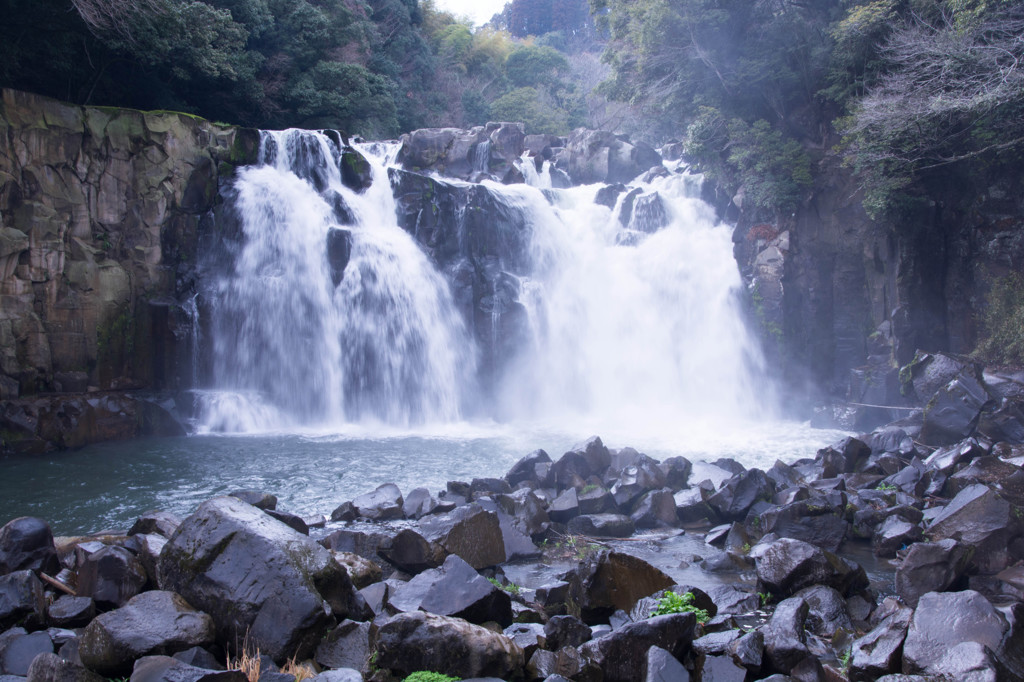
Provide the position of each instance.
(480, 11)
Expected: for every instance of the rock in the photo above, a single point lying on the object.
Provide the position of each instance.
(71, 612)
(562, 631)
(748, 650)
(656, 509)
(565, 507)
(21, 599)
(168, 669)
(17, 650)
(787, 566)
(53, 668)
(608, 195)
(980, 518)
(199, 657)
(622, 653)
(645, 607)
(600, 156)
(722, 669)
(649, 214)
(715, 643)
(382, 504)
(880, 651)
(346, 646)
(738, 495)
(293, 521)
(526, 468)
(159, 522)
(945, 621)
(784, 639)
(691, 506)
(480, 487)
(257, 578)
(419, 503)
(602, 525)
(677, 472)
(952, 414)
(345, 511)
(455, 589)
(565, 662)
(827, 613)
(26, 543)
(111, 576)
(595, 499)
(730, 601)
(469, 532)
(356, 172)
(423, 641)
(893, 534)
(607, 581)
(152, 623)
(257, 498)
(664, 667)
(931, 567)
(529, 637)
(518, 544)
(814, 521)
(361, 571)
(641, 475)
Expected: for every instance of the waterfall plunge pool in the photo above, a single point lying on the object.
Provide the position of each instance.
(106, 487)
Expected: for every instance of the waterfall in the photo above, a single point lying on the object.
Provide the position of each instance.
(482, 156)
(330, 313)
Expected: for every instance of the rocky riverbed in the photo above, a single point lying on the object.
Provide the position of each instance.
(402, 581)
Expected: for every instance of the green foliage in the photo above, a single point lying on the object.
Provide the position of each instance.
(531, 66)
(680, 603)
(511, 588)
(774, 171)
(887, 487)
(426, 676)
(765, 597)
(1002, 341)
(526, 105)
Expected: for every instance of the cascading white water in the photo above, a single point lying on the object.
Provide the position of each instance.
(633, 331)
(294, 347)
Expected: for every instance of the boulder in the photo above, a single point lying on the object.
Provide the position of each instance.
(827, 612)
(787, 566)
(664, 667)
(608, 581)
(879, 652)
(748, 650)
(529, 637)
(21, 599)
(412, 553)
(26, 543)
(602, 525)
(734, 499)
(455, 589)
(419, 503)
(785, 641)
(257, 578)
(360, 570)
(565, 663)
(152, 623)
(451, 646)
(346, 646)
(568, 630)
(622, 654)
(601, 156)
(53, 668)
(159, 522)
(111, 576)
(691, 507)
(168, 669)
(980, 518)
(383, 504)
(71, 612)
(518, 544)
(931, 567)
(944, 622)
(893, 534)
(721, 669)
(814, 521)
(656, 509)
(526, 468)
(641, 475)
(469, 532)
(18, 648)
(565, 507)
(257, 498)
(952, 414)
(596, 499)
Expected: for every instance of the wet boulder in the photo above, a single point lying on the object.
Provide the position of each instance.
(565, 507)
(525, 469)
(423, 641)
(454, 589)
(734, 499)
(952, 414)
(518, 544)
(169, 669)
(257, 578)
(339, 252)
(360, 570)
(527, 510)
(692, 507)
(469, 532)
(564, 663)
(608, 195)
(879, 652)
(158, 522)
(21, 599)
(18, 648)
(785, 640)
(931, 567)
(622, 653)
(26, 543)
(409, 551)
(814, 521)
(943, 623)
(52, 668)
(656, 509)
(151, 623)
(111, 576)
(602, 525)
(927, 373)
(383, 504)
(649, 214)
(356, 172)
(346, 646)
(979, 517)
(608, 581)
(419, 503)
(71, 612)
(601, 156)
(786, 566)
(568, 630)
(893, 534)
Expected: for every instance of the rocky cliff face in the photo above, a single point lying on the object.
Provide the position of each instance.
(849, 299)
(101, 209)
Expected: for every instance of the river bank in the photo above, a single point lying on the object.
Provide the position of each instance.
(553, 570)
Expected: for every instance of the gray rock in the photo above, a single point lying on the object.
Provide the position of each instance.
(722, 669)
(879, 652)
(942, 623)
(525, 469)
(785, 641)
(53, 668)
(562, 631)
(21, 599)
(602, 525)
(167, 669)
(565, 507)
(894, 534)
(111, 576)
(469, 532)
(257, 577)
(607, 581)
(748, 650)
(980, 518)
(814, 521)
(382, 504)
(158, 522)
(827, 613)
(341, 675)
(419, 503)
(424, 641)
(656, 509)
(734, 499)
(953, 412)
(18, 651)
(564, 662)
(152, 623)
(931, 567)
(26, 543)
(622, 653)
(347, 646)
(199, 657)
(664, 667)
(455, 589)
(787, 566)
(412, 553)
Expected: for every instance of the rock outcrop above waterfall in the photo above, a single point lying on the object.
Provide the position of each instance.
(101, 211)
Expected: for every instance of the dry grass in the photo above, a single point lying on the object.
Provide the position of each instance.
(301, 671)
(248, 661)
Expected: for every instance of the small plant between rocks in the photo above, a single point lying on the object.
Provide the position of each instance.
(427, 676)
(680, 603)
